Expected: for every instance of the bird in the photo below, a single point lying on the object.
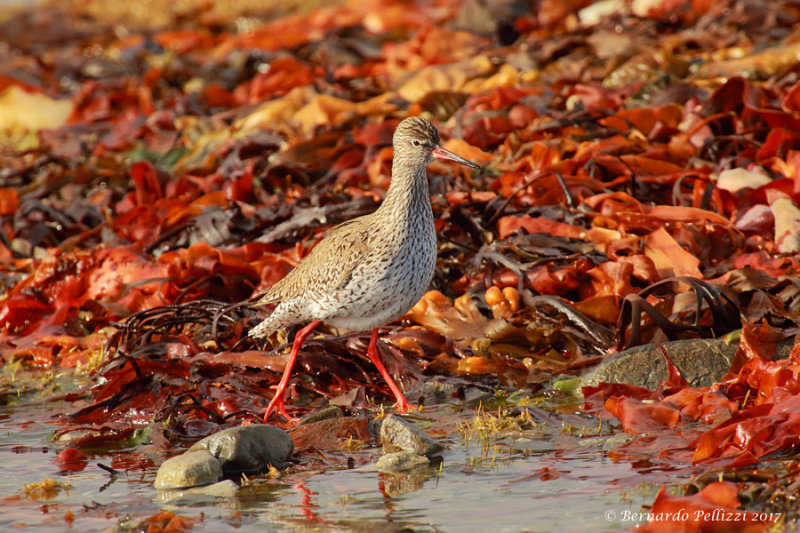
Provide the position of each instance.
(367, 271)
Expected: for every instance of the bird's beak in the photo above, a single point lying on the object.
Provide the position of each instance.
(441, 153)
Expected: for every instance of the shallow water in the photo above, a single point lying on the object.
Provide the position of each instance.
(476, 488)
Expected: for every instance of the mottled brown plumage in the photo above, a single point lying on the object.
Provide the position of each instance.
(370, 270)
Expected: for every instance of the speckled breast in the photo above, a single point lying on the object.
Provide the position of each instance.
(384, 290)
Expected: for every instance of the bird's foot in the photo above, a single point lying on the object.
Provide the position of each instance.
(280, 391)
(403, 405)
(278, 405)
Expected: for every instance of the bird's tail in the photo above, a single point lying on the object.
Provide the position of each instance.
(263, 329)
(266, 327)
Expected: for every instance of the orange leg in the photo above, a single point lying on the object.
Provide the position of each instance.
(401, 404)
(277, 400)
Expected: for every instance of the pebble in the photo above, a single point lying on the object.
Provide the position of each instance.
(188, 470)
(230, 452)
(392, 463)
(248, 449)
(223, 489)
(397, 435)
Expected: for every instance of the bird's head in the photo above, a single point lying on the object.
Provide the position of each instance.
(416, 140)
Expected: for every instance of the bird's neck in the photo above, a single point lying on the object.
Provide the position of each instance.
(408, 194)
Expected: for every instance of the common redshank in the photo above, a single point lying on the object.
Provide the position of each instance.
(368, 271)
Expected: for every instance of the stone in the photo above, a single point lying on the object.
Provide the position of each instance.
(525, 444)
(224, 489)
(248, 449)
(701, 361)
(392, 463)
(188, 470)
(397, 435)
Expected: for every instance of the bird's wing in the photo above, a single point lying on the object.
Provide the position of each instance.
(328, 266)
(264, 298)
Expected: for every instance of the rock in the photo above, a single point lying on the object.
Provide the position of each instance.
(392, 463)
(188, 470)
(474, 397)
(224, 489)
(525, 444)
(609, 442)
(397, 435)
(701, 361)
(248, 449)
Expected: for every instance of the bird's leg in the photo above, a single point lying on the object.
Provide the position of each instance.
(401, 404)
(277, 400)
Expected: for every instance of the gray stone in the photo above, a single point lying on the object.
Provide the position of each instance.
(397, 435)
(223, 489)
(610, 442)
(248, 449)
(392, 463)
(701, 361)
(473, 396)
(188, 470)
(525, 444)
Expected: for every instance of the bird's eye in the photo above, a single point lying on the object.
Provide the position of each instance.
(416, 142)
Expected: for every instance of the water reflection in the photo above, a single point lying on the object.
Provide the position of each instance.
(522, 482)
